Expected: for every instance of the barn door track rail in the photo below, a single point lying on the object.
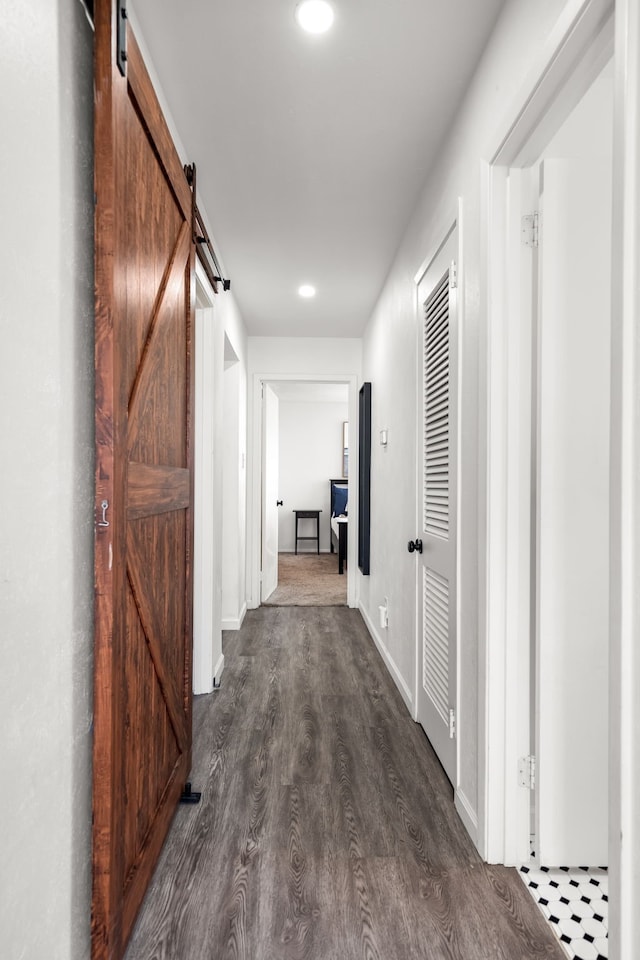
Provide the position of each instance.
(202, 240)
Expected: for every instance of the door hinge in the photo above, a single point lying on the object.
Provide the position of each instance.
(453, 275)
(527, 772)
(452, 724)
(530, 230)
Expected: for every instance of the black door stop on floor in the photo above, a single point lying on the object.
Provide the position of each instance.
(188, 795)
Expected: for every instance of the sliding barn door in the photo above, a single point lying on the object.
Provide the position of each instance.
(144, 315)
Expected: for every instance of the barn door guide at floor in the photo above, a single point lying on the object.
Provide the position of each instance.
(145, 294)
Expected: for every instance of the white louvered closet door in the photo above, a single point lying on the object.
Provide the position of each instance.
(437, 619)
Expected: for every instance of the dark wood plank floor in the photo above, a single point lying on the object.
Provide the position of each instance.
(327, 829)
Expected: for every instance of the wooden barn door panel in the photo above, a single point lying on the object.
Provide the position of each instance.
(144, 313)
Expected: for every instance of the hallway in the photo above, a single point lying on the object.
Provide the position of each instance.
(327, 828)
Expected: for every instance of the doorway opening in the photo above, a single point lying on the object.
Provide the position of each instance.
(549, 409)
(314, 408)
(305, 512)
(561, 206)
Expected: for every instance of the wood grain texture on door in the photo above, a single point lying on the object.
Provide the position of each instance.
(145, 294)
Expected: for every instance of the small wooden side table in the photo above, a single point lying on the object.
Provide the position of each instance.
(308, 515)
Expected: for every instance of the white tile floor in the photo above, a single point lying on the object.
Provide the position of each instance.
(575, 901)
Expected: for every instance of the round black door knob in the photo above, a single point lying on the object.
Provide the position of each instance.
(278, 503)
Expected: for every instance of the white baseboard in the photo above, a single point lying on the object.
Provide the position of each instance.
(217, 673)
(234, 623)
(388, 659)
(467, 814)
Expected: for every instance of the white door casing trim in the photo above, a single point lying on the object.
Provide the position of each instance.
(270, 466)
(624, 668)
(560, 76)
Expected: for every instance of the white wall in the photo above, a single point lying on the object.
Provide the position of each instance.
(46, 481)
(310, 455)
(219, 511)
(220, 534)
(305, 356)
(207, 638)
(389, 361)
(230, 477)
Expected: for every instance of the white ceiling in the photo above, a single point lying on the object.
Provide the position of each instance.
(311, 150)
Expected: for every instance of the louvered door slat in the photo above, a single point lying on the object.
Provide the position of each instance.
(436, 409)
(439, 606)
(435, 658)
(437, 378)
(438, 404)
(438, 425)
(439, 449)
(437, 351)
(439, 304)
(438, 431)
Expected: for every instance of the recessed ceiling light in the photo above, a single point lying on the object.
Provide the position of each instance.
(306, 291)
(314, 16)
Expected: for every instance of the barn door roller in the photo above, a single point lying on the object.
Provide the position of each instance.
(202, 239)
(122, 37)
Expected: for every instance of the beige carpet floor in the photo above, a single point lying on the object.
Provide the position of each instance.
(309, 580)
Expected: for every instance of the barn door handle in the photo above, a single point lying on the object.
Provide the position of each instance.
(278, 503)
(104, 506)
(415, 546)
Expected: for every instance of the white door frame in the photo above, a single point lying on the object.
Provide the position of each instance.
(269, 513)
(255, 484)
(563, 73)
(624, 666)
(208, 368)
